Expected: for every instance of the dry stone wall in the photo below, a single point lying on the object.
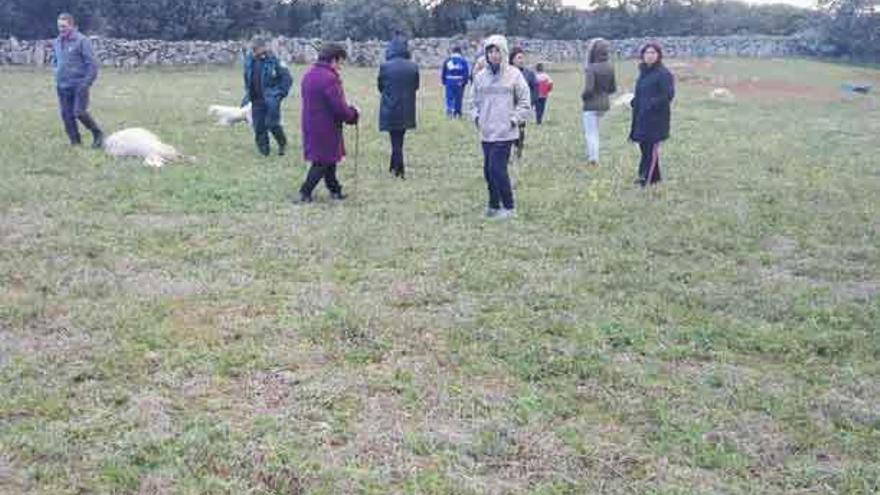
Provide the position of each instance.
(428, 52)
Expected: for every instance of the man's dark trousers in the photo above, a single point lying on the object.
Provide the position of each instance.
(74, 103)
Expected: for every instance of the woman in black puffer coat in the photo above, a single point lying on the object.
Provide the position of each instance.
(655, 90)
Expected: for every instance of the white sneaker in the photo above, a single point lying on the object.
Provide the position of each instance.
(504, 214)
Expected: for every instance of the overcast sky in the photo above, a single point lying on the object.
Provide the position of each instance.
(800, 3)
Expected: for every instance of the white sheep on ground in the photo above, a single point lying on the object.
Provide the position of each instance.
(721, 94)
(141, 143)
(231, 115)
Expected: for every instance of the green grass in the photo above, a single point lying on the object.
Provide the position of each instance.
(188, 330)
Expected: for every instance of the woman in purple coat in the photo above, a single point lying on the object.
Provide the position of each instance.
(324, 110)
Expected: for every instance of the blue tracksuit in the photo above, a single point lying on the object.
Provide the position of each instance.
(455, 77)
(265, 95)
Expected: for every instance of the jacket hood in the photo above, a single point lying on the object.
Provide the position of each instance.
(592, 46)
(501, 42)
(397, 48)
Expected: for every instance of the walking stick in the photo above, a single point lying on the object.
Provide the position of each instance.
(357, 155)
(655, 157)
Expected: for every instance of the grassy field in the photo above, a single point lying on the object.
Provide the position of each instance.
(189, 330)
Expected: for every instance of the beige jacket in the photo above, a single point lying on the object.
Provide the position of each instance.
(500, 101)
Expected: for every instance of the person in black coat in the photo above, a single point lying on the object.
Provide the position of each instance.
(655, 90)
(398, 82)
(518, 60)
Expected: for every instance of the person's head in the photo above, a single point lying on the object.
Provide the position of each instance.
(652, 54)
(260, 47)
(333, 54)
(456, 50)
(539, 68)
(599, 51)
(495, 49)
(66, 24)
(518, 57)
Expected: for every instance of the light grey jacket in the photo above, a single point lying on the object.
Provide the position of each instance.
(500, 101)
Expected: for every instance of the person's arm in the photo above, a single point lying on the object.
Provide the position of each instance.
(418, 79)
(522, 98)
(613, 83)
(549, 84)
(589, 85)
(665, 91)
(443, 73)
(474, 103)
(286, 79)
(90, 61)
(380, 79)
(342, 111)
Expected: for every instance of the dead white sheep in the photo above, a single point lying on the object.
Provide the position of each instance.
(623, 100)
(141, 143)
(721, 94)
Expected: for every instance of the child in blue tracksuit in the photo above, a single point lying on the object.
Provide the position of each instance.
(456, 74)
(267, 82)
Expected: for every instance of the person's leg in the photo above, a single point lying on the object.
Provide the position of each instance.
(273, 122)
(654, 168)
(539, 110)
(316, 173)
(397, 167)
(66, 102)
(450, 100)
(332, 182)
(498, 160)
(81, 111)
(591, 135)
(261, 131)
(520, 143)
(647, 150)
(459, 98)
(494, 198)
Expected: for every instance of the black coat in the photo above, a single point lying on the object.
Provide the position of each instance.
(651, 112)
(398, 82)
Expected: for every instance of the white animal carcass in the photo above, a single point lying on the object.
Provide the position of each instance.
(141, 143)
(623, 100)
(231, 115)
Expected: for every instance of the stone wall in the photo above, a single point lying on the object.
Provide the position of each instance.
(427, 52)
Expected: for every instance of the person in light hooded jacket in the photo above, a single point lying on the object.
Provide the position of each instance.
(501, 102)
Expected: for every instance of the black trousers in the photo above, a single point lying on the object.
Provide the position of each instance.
(318, 171)
(540, 108)
(74, 103)
(397, 138)
(649, 165)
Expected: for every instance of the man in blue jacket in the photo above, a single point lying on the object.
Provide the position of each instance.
(267, 82)
(75, 71)
(455, 77)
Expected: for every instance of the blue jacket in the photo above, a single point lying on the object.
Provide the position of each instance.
(455, 71)
(275, 78)
(75, 64)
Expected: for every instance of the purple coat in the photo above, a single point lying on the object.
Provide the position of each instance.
(324, 110)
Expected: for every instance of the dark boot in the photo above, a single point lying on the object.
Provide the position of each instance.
(97, 134)
(281, 139)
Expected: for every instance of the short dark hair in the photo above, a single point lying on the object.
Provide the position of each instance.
(259, 42)
(456, 49)
(656, 47)
(331, 52)
(66, 16)
(539, 67)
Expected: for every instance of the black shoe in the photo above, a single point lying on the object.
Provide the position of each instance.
(303, 199)
(282, 149)
(98, 141)
(337, 196)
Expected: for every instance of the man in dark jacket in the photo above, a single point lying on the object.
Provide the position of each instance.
(75, 71)
(398, 82)
(455, 77)
(267, 82)
(518, 60)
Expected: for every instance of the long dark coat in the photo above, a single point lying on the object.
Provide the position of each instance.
(398, 82)
(651, 113)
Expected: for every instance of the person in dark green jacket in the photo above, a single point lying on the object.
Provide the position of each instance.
(599, 83)
(267, 82)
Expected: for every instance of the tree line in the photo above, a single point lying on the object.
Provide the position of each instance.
(843, 27)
